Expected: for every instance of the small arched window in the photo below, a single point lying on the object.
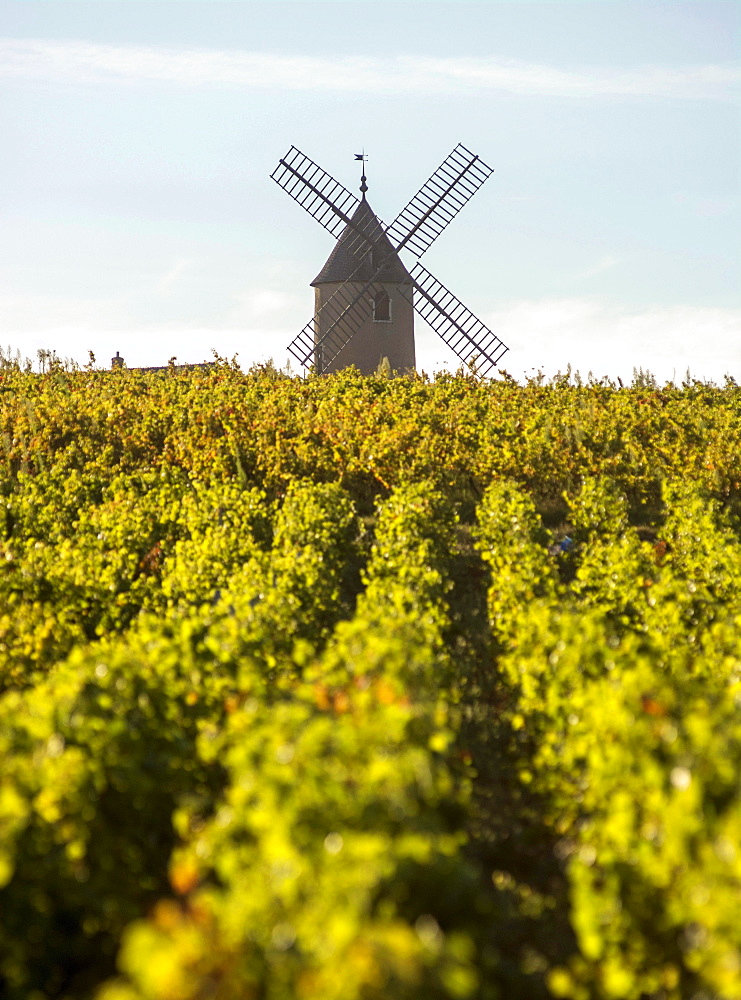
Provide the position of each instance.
(381, 307)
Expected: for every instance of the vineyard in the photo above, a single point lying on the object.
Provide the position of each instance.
(368, 688)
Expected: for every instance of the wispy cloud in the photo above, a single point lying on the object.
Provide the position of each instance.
(608, 339)
(169, 281)
(606, 263)
(87, 63)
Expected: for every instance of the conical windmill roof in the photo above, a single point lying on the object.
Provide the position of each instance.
(351, 257)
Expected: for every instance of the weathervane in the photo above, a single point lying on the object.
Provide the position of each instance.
(363, 159)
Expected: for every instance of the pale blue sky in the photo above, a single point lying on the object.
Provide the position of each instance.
(138, 214)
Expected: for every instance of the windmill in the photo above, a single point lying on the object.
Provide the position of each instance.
(364, 276)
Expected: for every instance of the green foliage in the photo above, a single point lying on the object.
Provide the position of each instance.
(513, 543)
(359, 687)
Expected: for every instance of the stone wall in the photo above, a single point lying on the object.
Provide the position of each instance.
(375, 340)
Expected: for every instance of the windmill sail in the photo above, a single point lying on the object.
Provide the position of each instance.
(438, 201)
(316, 191)
(465, 334)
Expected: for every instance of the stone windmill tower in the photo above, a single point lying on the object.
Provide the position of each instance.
(387, 330)
(364, 296)
(388, 327)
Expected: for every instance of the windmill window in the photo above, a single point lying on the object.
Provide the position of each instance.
(381, 307)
